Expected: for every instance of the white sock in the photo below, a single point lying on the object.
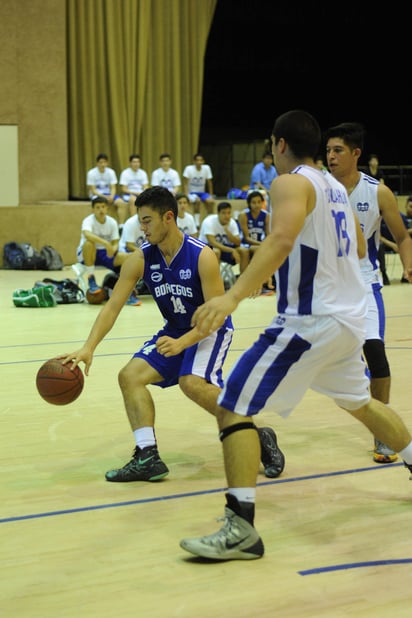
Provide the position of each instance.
(144, 436)
(406, 454)
(89, 270)
(243, 494)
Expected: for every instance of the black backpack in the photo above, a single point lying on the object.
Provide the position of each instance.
(22, 256)
(52, 258)
(66, 291)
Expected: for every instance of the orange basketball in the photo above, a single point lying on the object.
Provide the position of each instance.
(58, 383)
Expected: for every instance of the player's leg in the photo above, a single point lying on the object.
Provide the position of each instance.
(146, 367)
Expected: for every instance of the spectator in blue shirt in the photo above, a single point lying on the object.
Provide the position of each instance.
(263, 173)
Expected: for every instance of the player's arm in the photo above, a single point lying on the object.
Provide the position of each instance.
(388, 207)
(94, 191)
(293, 198)
(242, 220)
(130, 273)
(360, 238)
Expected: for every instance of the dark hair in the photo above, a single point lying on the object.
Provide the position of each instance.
(159, 199)
(223, 206)
(301, 132)
(253, 194)
(165, 155)
(352, 134)
(102, 155)
(267, 153)
(179, 196)
(135, 156)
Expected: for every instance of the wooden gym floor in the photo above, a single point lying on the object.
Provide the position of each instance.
(336, 526)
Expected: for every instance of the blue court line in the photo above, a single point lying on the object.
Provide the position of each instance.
(189, 494)
(355, 565)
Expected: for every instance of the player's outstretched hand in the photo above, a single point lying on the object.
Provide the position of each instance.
(211, 315)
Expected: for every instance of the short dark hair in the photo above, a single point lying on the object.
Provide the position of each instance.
(300, 130)
(179, 196)
(352, 133)
(135, 156)
(223, 206)
(253, 194)
(159, 199)
(102, 155)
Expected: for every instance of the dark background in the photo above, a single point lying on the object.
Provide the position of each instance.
(339, 62)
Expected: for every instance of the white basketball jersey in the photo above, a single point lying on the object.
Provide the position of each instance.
(364, 202)
(321, 275)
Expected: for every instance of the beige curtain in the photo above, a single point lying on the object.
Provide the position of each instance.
(135, 81)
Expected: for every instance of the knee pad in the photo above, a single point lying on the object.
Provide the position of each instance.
(374, 351)
(232, 428)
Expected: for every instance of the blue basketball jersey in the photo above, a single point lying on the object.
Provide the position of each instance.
(256, 226)
(176, 287)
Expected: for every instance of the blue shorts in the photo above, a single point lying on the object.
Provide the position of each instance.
(203, 196)
(204, 359)
(102, 259)
(227, 257)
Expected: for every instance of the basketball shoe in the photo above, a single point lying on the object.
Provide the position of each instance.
(145, 465)
(93, 287)
(409, 468)
(273, 459)
(133, 300)
(383, 454)
(236, 540)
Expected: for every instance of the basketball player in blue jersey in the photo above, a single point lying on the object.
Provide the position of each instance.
(314, 342)
(371, 201)
(254, 223)
(181, 273)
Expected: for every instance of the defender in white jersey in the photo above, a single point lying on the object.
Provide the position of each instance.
(181, 273)
(372, 201)
(314, 342)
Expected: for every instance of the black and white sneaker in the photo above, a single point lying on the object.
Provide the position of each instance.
(145, 465)
(273, 459)
(236, 540)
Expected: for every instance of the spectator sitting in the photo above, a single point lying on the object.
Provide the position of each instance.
(132, 236)
(262, 175)
(102, 182)
(221, 232)
(185, 220)
(133, 180)
(99, 246)
(254, 224)
(198, 185)
(165, 176)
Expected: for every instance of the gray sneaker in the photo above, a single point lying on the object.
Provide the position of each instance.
(383, 454)
(273, 459)
(236, 540)
(145, 465)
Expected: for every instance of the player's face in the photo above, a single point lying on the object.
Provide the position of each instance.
(102, 164)
(224, 216)
(341, 159)
(256, 204)
(153, 225)
(135, 164)
(100, 211)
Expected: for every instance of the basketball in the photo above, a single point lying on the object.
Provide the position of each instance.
(97, 298)
(59, 384)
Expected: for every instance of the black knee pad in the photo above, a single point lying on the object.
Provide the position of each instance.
(228, 430)
(374, 351)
